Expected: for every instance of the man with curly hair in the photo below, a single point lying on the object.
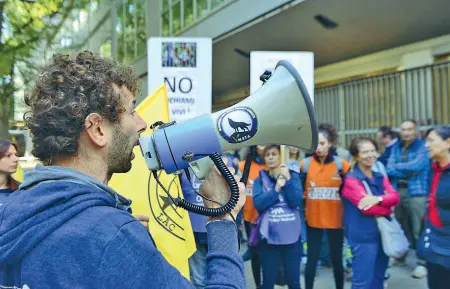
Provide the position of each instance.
(64, 227)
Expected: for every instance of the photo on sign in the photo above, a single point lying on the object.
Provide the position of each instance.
(179, 54)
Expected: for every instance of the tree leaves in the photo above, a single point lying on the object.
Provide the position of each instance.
(24, 27)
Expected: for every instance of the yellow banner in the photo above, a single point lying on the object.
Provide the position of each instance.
(169, 226)
(18, 175)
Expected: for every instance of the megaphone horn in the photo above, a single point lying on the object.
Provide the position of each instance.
(279, 112)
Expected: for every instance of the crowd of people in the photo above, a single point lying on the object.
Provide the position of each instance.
(305, 205)
(63, 227)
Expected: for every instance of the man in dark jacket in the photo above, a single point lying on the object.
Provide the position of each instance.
(65, 228)
(408, 168)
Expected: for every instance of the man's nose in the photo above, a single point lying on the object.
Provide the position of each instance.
(141, 125)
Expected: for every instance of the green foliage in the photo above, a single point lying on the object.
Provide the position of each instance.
(24, 26)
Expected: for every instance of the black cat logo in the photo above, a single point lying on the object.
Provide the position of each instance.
(236, 125)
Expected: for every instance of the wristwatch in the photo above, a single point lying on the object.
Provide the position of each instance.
(380, 199)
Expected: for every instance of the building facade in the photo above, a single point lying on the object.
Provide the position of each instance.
(377, 62)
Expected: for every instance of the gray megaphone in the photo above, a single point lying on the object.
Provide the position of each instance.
(279, 112)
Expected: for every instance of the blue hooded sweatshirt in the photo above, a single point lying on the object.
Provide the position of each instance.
(63, 229)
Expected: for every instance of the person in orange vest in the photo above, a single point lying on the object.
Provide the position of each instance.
(249, 212)
(323, 175)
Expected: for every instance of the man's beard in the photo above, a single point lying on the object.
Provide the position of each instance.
(119, 157)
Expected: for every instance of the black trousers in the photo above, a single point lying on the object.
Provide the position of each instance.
(335, 242)
(256, 263)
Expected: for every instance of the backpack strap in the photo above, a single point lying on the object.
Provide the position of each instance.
(306, 163)
(338, 162)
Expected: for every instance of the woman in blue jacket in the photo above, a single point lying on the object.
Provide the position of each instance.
(434, 244)
(360, 209)
(277, 195)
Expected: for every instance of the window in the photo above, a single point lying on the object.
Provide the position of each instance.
(202, 8)
(176, 15)
(216, 3)
(131, 32)
(165, 5)
(141, 33)
(166, 24)
(93, 6)
(188, 10)
(120, 33)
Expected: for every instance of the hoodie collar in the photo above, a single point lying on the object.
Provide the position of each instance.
(328, 159)
(44, 174)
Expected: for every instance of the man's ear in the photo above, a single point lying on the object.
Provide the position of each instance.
(95, 129)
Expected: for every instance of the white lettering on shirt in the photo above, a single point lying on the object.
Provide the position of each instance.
(324, 193)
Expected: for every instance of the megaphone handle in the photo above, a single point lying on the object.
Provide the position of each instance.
(248, 162)
(215, 212)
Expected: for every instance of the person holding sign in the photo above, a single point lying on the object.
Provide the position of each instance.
(277, 195)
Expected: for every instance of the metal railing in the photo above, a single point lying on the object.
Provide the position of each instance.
(359, 107)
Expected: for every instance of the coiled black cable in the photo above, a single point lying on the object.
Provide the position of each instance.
(226, 174)
(215, 212)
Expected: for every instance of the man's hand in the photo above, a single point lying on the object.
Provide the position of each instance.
(216, 188)
(143, 220)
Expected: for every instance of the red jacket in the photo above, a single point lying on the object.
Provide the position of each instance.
(360, 225)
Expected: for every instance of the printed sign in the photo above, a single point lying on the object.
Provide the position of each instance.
(185, 65)
(238, 124)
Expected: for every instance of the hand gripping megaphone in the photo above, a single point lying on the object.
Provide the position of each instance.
(279, 112)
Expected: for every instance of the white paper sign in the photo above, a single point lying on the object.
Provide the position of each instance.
(185, 65)
(261, 61)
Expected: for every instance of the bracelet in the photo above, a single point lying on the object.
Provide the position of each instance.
(234, 223)
(221, 220)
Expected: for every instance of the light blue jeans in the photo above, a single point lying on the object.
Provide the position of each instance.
(197, 266)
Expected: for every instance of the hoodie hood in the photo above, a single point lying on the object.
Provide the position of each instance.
(49, 197)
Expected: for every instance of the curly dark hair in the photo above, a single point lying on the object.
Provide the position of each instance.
(66, 92)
